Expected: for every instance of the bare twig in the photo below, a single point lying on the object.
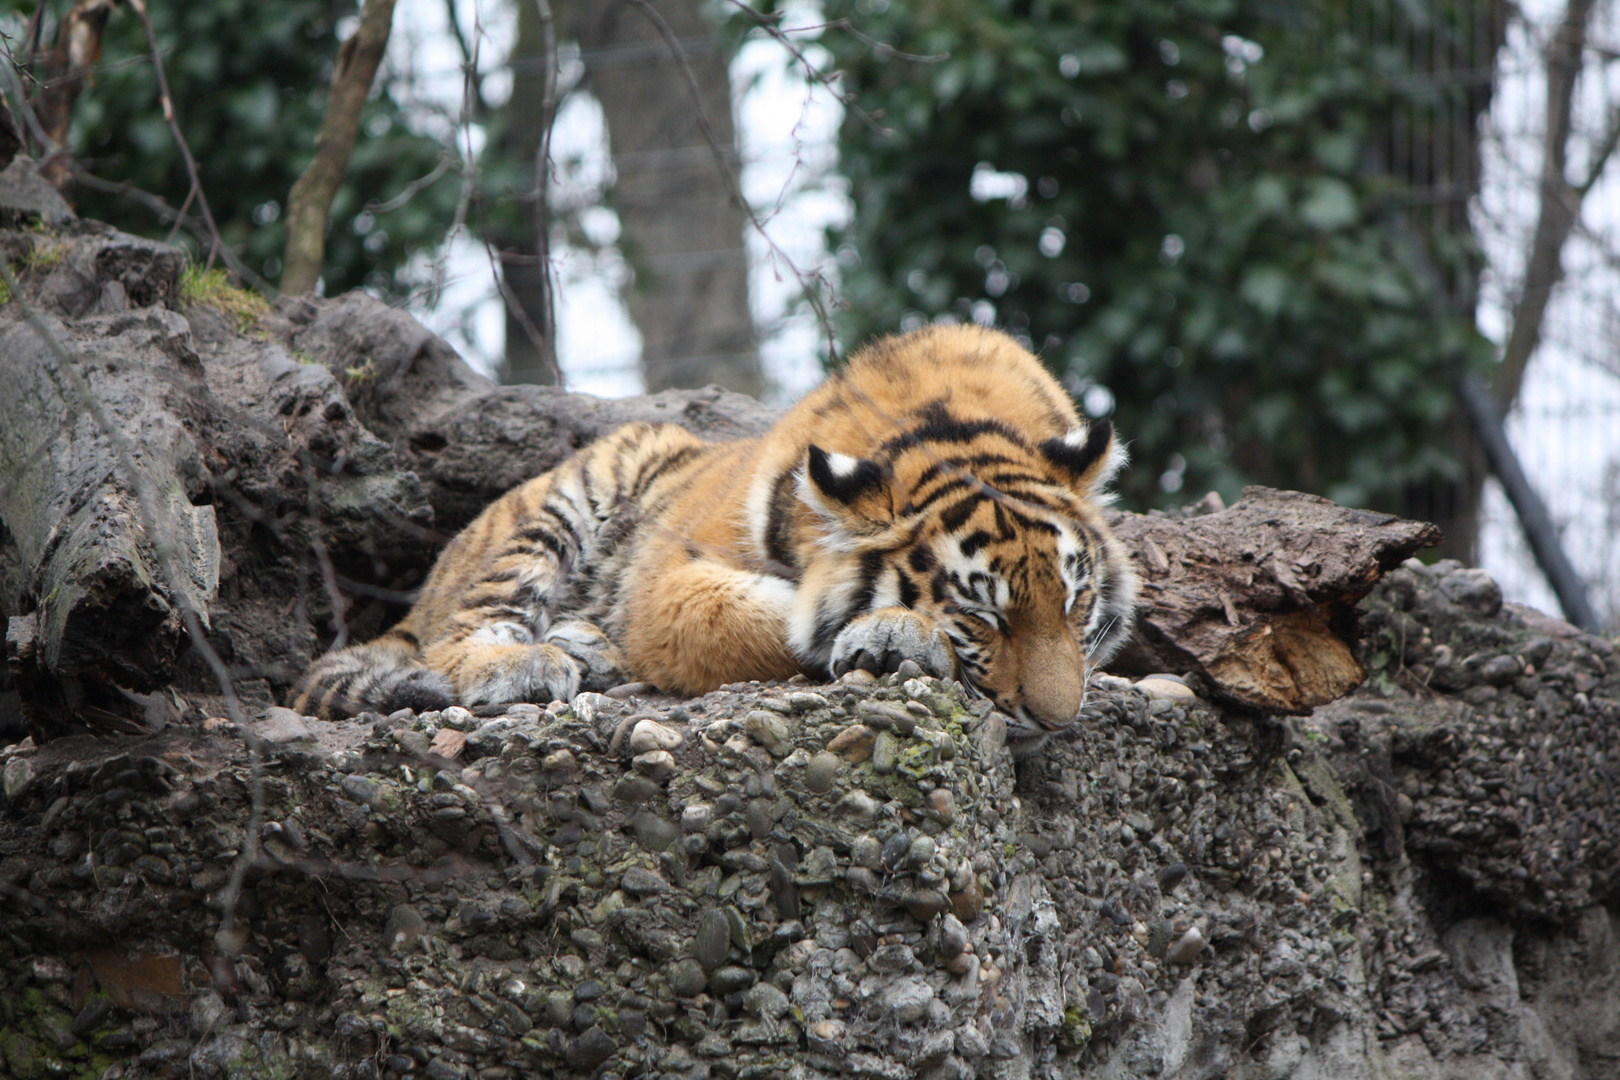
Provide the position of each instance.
(311, 198)
(323, 558)
(216, 244)
(767, 23)
(445, 163)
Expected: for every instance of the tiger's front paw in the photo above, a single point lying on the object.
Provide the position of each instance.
(602, 665)
(881, 640)
(502, 674)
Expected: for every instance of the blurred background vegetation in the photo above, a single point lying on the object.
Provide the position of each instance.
(1249, 230)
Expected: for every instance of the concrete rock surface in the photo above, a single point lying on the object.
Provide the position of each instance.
(1414, 881)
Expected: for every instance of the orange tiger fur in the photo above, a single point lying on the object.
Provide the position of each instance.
(936, 500)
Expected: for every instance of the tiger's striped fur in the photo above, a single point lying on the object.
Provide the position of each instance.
(936, 500)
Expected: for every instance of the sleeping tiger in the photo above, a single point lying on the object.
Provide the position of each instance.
(936, 500)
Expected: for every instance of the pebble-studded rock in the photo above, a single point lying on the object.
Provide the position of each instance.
(852, 879)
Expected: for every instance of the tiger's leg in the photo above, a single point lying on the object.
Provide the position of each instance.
(500, 662)
(880, 641)
(700, 623)
(486, 615)
(381, 675)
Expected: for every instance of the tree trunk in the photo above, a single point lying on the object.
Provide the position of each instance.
(682, 229)
(522, 247)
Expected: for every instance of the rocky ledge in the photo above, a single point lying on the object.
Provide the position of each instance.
(847, 880)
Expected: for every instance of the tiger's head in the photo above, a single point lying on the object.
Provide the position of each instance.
(999, 543)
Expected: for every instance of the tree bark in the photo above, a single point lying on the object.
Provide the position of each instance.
(524, 251)
(1258, 600)
(682, 229)
(311, 198)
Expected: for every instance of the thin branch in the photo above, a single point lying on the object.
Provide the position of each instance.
(216, 244)
(311, 198)
(1602, 151)
(767, 23)
(454, 19)
(446, 162)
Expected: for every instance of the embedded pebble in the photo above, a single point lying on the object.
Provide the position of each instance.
(687, 978)
(925, 904)
(885, 752)
(640, 882)
(1160, 689)
(882, 715)
(713, 941)
(828, 1037)
(907, 1000)
(650, 735)
(858, 804)
(766, 1001)
(853, 744)
(822, 770)
(801, 701)
(695, 817)
(867, 851)
(1186, 948)
(17, 777)
(772, 731)
(656, 765)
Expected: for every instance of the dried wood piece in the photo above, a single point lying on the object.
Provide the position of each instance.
(1259, 599)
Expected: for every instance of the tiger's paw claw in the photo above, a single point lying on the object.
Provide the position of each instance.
(881, 641)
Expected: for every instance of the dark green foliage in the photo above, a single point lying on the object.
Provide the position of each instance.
(250, 83)
(1222, 250)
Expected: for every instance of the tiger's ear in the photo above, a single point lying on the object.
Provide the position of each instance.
(1089, 454)
(850, 492)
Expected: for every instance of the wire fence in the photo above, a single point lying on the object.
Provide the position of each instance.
(1565, 423)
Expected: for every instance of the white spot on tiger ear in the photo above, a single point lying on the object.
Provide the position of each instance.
(1115, 458)
(842, 465)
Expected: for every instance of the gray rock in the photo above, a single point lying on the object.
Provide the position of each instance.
(730, 979)
(1473, 589)
(713, 941)
(403, 928)
(591, 1049)
(26, 196)
(906, 1000)
(766, 1001)
(687, 978)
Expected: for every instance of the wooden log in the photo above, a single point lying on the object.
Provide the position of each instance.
(93, 582)
(1258, 600)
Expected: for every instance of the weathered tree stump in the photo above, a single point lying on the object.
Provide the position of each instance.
(1259, 600)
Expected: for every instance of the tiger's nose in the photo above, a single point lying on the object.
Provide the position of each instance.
(1054, 681)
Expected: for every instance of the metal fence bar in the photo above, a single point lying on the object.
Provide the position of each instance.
(1545, 543)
